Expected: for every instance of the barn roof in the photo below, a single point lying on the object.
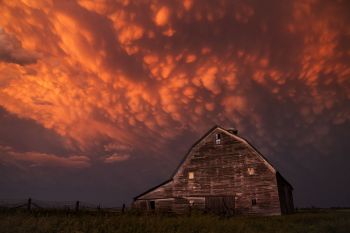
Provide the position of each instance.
(153, 188)
(198, 141)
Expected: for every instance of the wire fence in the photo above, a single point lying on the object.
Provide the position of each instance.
(34, 204)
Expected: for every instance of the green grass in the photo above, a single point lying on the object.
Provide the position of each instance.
(61, 222)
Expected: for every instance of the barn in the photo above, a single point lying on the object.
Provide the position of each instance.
(225, 174)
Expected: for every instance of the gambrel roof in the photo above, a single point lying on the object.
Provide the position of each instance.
(235, 136)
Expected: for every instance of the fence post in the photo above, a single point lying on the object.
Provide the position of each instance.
(77, 206)
(123, 208)
(29, 204)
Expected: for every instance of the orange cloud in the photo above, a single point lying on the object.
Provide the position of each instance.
(11, 51)
(162, 16)
(187, 4)
(37, 159)
(116, 158)
(106, 71)
(191, 58)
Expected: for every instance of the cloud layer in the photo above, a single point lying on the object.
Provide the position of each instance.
(138, 74)
(35, 159)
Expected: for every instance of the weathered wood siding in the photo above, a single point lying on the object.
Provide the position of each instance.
(160, 192)
(221, 170)
(285, 195)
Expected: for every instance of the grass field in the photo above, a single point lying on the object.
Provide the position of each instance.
(61, 222)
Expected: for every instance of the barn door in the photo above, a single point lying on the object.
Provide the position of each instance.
(223, 205)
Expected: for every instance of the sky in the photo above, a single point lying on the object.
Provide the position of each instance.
(100, 100)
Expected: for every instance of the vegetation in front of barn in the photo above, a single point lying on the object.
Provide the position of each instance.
(95, 222)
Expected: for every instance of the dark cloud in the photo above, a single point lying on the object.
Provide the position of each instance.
(11, 51)
(131, 84)
(25, 143)
(28, 135)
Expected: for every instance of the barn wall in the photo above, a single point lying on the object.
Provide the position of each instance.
(222, 170)
(161, 205)
(285, 195)
(159, 192)
(140, 204)
(171, 205)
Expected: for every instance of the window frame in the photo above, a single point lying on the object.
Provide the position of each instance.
(218, 138)
(251, 171)
(254, 201)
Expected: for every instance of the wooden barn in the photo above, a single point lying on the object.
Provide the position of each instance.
(221, 173)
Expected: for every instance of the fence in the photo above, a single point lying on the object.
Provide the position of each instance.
(34, 204)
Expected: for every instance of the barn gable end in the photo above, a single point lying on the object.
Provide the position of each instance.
(221, 172)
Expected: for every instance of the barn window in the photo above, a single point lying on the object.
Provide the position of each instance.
(254, 201)
(152, 205)
(251, 171)
(218, 138)
(191, 175)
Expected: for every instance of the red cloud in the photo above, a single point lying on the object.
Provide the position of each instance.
(139, 74)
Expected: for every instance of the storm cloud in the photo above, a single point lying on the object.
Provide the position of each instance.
(125, 81)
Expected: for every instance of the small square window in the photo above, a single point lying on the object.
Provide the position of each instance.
(251, 171)
(218, 138)
(254, 202)
(191, 175)
(152, 205)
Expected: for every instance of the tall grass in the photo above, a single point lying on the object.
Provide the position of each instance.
(64, 222)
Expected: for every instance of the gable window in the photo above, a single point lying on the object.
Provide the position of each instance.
(217, 138)
(191, 175)
(254, 201)
(251, 171)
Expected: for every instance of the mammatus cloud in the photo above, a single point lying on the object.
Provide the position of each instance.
(11, 51)
(143, 73)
